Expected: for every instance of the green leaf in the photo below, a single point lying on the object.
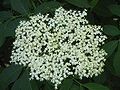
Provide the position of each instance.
(4, 15)
(115, 9)
(116, 60)
(75, 87)
(101, 9)
(47, 7)
(10, 27)
(110, 47)
(48, 85)
(2, 36)
(95, 86)
(81, 88)
(111, 30)
(34, 85)
(79, 3)
(1, 69)
(23, 83)
(67, 83)
(101, 78)
(40, 83)
(6, 3)
(93, 3)
(9, 75)
(21, 6)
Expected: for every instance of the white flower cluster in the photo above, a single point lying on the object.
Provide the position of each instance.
(55, 48)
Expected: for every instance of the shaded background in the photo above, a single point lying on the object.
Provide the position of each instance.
(100, 12)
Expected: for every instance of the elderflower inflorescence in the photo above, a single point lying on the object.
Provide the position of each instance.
(55, 48)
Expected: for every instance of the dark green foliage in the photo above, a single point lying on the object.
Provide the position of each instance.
(10, 26)
(67, 83)
(8, 29)
(21, 6)
(101, 9)
(115, 9)
(48, 86)
(47, 7)
(34, 85)
(75, 87)
(9, 75)
(2, 36)
(111, 30)
(110, 47)
(95, 86)
(116, 60)
(101, 78)
(23, 83)
(103, 12)
(4, 15)
(79, 3)
(93, 3)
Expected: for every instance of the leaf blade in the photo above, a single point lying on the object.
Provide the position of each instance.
(9, 75)
(47, 7)
(116, 60)
(21, 6)
(2, 36)
(23, 82)
(115, 9)
(67, 83)
(95, 86)
(110, 47)
(4, 15)
(79, 3)
(93, 3)
(111, 30)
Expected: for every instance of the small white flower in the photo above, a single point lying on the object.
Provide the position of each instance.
(54, 48)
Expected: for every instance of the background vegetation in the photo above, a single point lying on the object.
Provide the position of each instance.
(101, 12)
